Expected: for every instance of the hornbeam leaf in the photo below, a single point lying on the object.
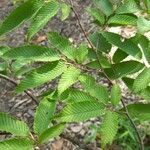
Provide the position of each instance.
(19, 15)
(77, 96)
(17, 144)
(119, 55)
(142, 81)
(95, 90)
(12, 125)
(140, 111)
(123, 20)
(123, 69)
(41, 75)
(51, 133)
(109, 128)
(65, 9)
(128, 46)
(46, 12)
(115, 94)
(143, 25)
(105, 6)
(100, 42)
(80, 111)
(62, 44)
(43, 115)
(97, 15)
(129, 6)
(32, 53)
(69, 77)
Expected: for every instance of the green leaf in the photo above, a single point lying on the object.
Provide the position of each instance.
(62, 44)
(3, 49)
(104, 61)
(143, 25)
(77, 96)
(119, 55)
(127, 45)
(105, 6)
(123, 20)
(16, 144)
(32, 53)
(41, 75)
(115, 94)
(80, 111)
(46, 12)
(68, 78)
(97, 15)
(65, 9)
(100, 42)
(10, 124)
(128, 82)
(93, 64)
(43, 115)
(109, 128)
(129, 6)
(123, 69)
(147, 3)
(145, 45)
(51, 133)
(142, 81)
(96, 90)
(81, 53)
(145, 94)
(140, 111)
(19, 15)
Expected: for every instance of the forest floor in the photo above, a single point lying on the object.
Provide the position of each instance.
(22, 107)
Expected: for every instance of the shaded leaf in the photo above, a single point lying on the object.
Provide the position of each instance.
(119, 55)
(32, 53)
(97, 15)
(127, 45)
(123, 69)
(140, 111)
(41, 75)
(100, 42)
(105, 6)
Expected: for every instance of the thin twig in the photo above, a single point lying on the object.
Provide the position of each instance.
(133, 124)
(111, 83)
(15, 83)
(87, 38)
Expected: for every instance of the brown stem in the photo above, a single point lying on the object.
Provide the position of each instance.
(111, 83)
(15, 83)
(133, 124)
